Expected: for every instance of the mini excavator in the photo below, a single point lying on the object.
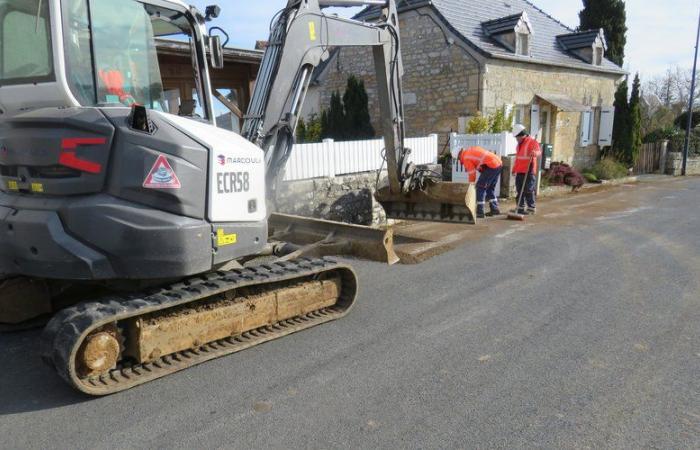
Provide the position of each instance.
(122, 216)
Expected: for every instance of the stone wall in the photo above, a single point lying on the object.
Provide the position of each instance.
(441, 81)
(345, 199)
(507, 82)
(674, 164)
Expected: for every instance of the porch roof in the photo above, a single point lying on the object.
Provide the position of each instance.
(564, 103)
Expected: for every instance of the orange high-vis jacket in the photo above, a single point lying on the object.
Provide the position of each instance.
(473, 158)
(113, 81)
(527, 150)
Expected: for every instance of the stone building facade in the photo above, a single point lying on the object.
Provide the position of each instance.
(441, 81)
(453, 71)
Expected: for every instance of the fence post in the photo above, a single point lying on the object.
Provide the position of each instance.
(329, 149)
(662, 157)
(453, 157)
(434, 141)
(453, 139)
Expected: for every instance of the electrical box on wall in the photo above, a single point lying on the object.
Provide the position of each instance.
(547, 152)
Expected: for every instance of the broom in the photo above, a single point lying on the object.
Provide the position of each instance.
(514, 215)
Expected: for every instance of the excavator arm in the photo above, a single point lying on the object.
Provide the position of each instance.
(302, 37)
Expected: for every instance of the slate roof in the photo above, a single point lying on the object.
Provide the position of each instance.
(582, 39)
(501, 25)
(465, 18)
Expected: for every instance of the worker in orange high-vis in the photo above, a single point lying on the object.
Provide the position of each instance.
(527, 152)
(490, 165)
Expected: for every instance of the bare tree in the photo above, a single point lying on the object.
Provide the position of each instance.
(672, 89)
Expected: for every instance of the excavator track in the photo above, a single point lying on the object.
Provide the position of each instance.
(71, 334)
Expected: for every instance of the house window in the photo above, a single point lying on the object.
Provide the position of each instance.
(598, 56)
(522, 44)
(519, 114)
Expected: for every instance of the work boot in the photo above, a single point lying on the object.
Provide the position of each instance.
(522, 211)
(480, 214)
(531, 211)
(493, 213)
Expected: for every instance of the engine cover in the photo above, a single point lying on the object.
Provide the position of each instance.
(85, 197)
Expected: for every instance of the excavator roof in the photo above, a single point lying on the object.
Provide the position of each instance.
(177, 2)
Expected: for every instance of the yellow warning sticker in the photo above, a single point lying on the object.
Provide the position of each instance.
(37, 187)
(12, 185)
(312, 31)
(223, 239)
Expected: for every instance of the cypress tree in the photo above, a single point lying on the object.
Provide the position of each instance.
(356, 102)
(335, 124)
(609, 15)
(635, 131)
(621, 126)
(325, 126)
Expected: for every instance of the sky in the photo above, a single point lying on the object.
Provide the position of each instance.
(661, 33)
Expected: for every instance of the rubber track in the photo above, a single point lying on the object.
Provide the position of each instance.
(64, 334)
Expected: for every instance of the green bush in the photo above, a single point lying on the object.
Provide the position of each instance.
(310, 132)
(608, 169)
(497, 122)
(661, 134)
(500, 122)
(590, 177)
(682, 120)
(677, 142)
(478, 124)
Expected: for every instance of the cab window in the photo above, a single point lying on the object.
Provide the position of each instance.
(25, 45)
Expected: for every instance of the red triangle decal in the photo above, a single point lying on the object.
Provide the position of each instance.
(162, 176)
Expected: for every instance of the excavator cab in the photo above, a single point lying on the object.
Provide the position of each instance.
(94, 53)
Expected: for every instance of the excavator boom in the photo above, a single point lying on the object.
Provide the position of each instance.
(303, 37)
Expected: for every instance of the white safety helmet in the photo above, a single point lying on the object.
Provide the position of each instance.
(518, 128)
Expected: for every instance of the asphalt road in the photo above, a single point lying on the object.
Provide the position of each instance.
(568, 331)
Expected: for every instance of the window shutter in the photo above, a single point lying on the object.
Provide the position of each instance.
(586, 128)
(607, 116)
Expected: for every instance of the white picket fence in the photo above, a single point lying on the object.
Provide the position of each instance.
(501, 144)
(330, 158)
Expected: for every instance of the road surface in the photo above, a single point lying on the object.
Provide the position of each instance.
(578, 329)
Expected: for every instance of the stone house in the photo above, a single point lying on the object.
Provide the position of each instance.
(467, 56)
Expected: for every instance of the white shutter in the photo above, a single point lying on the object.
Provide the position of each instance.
(586, 117)
(535, 120)
(607, 116)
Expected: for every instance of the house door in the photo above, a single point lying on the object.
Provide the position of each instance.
(545, 122)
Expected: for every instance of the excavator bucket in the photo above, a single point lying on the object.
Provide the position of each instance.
(308, 237)
(439, 201)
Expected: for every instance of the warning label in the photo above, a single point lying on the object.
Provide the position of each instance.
(162, 176)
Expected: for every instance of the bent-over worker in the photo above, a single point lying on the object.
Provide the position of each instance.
(526, 156)
(490, 165)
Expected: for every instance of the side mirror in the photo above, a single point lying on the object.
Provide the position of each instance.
(217, 52)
